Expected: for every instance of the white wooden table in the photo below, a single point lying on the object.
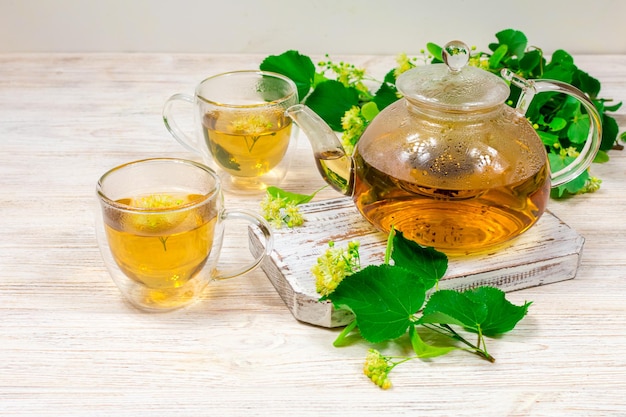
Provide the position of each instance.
(69, 345)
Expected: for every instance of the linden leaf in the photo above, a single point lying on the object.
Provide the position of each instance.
(331, 100)
(294, 198)
(587, 83)
(383, 299)
(498, 55)
(561, 57)
(436, 51)
(299, 68)
(385, 95)
(453, 307)
(502, 315)
(548, 139)
(532, 60)
(578, 130)
(369, 110)
(601, 157)
(423, 350)
(515, 41)
(610, 130)
(557, 163)
(557, 124)
(428, 263)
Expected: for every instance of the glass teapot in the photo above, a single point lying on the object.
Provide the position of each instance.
(450, 165)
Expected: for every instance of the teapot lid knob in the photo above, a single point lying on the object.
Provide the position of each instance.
(455, 55)
(454, 85)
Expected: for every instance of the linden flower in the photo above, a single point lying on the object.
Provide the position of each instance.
(592, 185)
(570, 151)
(404, 64)
(347, 74)
(334, 265)
(376, 368)
(156, 201)
(353, 124)
(154, 222)
(254, 124)
(281, 212)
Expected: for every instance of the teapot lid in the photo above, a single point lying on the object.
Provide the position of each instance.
(453, 85)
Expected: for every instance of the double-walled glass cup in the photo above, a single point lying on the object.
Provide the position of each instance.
(240, 127)
(160, 231)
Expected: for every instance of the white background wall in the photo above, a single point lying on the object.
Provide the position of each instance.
(312, 27)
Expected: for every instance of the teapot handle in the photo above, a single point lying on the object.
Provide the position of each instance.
(592, 145)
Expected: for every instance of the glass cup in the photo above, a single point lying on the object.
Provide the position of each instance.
(161, 228)
(241, 127)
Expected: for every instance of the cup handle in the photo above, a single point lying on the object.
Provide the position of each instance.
(170, 123)
(592, 145)
(263, 227)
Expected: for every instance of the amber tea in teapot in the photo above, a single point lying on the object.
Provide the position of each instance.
(450, 165)
(459, 195)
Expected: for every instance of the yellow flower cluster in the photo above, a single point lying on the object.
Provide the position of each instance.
(336, 264)
(347, 74)
(156, 222)
(376, 368)
(404, 64)
(157, 201)
(592, 185)
(253, 124)
(281, 212)
(353, 124)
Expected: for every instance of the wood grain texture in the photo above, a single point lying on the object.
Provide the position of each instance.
(69, 345)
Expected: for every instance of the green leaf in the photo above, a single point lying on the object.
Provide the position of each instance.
(299, 68)
(435, 50)
(578, 130)
(369, 110)
(385, 95)
(330, 100)
(601, 157)
(573, 187)
(531, 61)
(561, 57)
(548, 139)
(424, 350)
(570, 108)
(557, 124)
(587, 83)
(383, 299)
(515, 41)
(561, 67)
(294, 198)
(502, 315)
(318, 79)
(558, 162)
(498, 55)
(453, 307)
(610, 130)
(613, 108)
(390, 77)
(428, 263)
(225, 158)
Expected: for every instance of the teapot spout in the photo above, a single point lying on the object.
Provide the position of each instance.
(331, 159)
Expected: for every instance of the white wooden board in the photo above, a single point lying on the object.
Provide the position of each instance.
(549, 252)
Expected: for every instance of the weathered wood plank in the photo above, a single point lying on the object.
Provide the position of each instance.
(549, 252)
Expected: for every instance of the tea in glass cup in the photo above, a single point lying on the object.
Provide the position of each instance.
(161, 228)
(244, 130)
